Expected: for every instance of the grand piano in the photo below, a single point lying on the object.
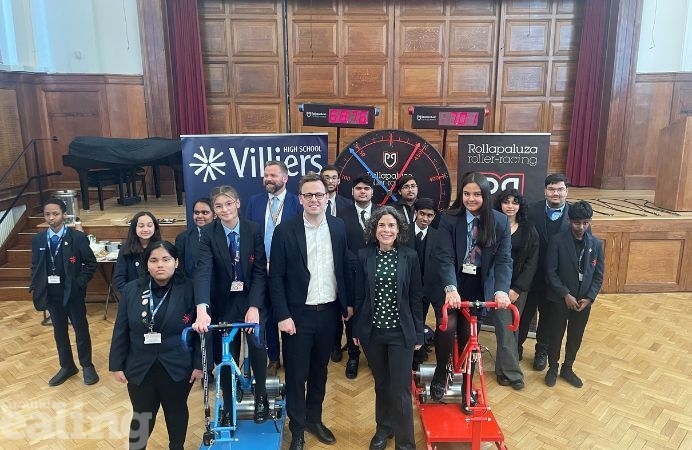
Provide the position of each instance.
(124, 156)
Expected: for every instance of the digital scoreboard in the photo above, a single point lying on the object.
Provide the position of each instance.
(447, 117)
(340, 116)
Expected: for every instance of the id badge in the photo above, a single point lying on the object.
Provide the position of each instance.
(469, 269)
(53, 279)
(581, 277)
(236, 286)
(152, 338)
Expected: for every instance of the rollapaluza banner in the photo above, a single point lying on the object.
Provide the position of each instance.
(238, 160)
(509, 160)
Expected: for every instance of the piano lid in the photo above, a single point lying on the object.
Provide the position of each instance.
(121, 150)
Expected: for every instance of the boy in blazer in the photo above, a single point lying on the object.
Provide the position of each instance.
(574, 273)
(62, 264)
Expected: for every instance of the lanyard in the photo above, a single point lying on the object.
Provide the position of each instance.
(153, 310)
(275, 217)
(57, 250)
(581, 255)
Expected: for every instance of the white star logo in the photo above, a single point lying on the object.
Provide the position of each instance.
(208, 164)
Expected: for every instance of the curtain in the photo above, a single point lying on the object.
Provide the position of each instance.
(186, 62)
(588, 91)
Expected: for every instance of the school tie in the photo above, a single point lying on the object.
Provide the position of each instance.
(54, 243)
(234, 249)
(329, 207)
(362, 218)
(475, 253)
(420, 249)
(269, 229)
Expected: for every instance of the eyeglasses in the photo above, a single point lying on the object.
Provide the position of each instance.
(409, 186)
(554, 190)
(201, 213)
(229, 204)
(310, 195)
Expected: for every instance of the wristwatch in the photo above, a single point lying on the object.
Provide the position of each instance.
(450, 288)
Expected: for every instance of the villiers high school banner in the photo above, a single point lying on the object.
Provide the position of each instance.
(509, 160)
(238, 160)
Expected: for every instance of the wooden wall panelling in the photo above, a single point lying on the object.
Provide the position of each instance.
(682, 97)
(611, 248)
(243, 58)
(11, 139)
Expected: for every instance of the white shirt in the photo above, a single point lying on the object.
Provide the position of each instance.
(367, 213)
(322, 285)
(418, 230)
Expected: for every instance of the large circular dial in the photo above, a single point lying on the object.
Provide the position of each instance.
(387, 155)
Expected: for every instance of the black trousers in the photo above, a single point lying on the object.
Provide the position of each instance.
(258, 363)
(565, 319)
(351, 347)
(306, 355)
(159, 389)
(76, 311)
(390, 362)
(535, 300)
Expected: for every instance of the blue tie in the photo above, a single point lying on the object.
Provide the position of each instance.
(234, 249)
(54, 240)
(269, 229)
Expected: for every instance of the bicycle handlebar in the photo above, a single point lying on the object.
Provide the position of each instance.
(479, 304)
(221, 327)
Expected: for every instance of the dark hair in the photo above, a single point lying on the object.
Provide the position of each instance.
(424, 203)
(132, 245)
(56, 201)
(486, 226)
(329, 167)
(511, 192)
(555, 178)
(371, 225)
(308, 178)
(205, 200)
(276, 162)
(171, 249)
(403, 180)
(364, 178)
(580, 210)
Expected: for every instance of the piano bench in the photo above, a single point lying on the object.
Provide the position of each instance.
(124, 179)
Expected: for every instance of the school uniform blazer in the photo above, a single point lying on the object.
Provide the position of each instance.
(256, 208)
(561, 268)
(536, 215)
(525, 257)
(432, 287)
(128, 268)
(409, 295)
(187, 244)
(496, 261)
(214, 273)
(128, 351)
(342, 203)
(77, 258)
(355, 236)
(288, 272)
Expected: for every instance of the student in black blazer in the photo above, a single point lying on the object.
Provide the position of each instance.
(549, 216)
(407, 188)
(335, 202)
(574, 272)
(355, 217)
(230, 279)
(475, 264)
(62, 264)
(187, 242)
(144, 229)
(388, 323)
(146, 352)
(308, 293)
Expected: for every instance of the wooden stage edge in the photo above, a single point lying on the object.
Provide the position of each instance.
(647, 248)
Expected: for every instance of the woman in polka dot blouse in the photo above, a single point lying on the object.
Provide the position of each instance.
(388, 322)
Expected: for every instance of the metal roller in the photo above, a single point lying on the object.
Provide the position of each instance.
(246, 407)
(424, 377)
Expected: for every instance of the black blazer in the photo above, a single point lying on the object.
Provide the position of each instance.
(432, 285)
(288, 272)
(536, 215)
(128, 351)
(187, 244)
(77, 258)
(524, 256)
(409, 295)
(561, 268)
(128, 268)
(355, 236)
(409, 215)
(214, 273)
(496, 261)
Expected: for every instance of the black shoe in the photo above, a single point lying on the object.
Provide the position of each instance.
(551, 376)
(517, 385)
(225, 418)
(437, 391)
(321, 432)
(261, 409)
(297, 442)
(90, 375)
(379, 441)
(352, 368)
(503, 380)
(336, 355)
(63, 374)
(540, 361)
(568, 374)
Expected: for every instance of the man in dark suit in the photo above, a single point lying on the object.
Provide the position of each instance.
(574, 274)
(549, 216)
(307, 279)
(230, 279)
(407, 188)
(424, 239)
(269, 209)
(354, 218)
(62, 264)
(335, 202)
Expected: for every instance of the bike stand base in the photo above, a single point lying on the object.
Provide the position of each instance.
(447, 423)
(251, 436)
